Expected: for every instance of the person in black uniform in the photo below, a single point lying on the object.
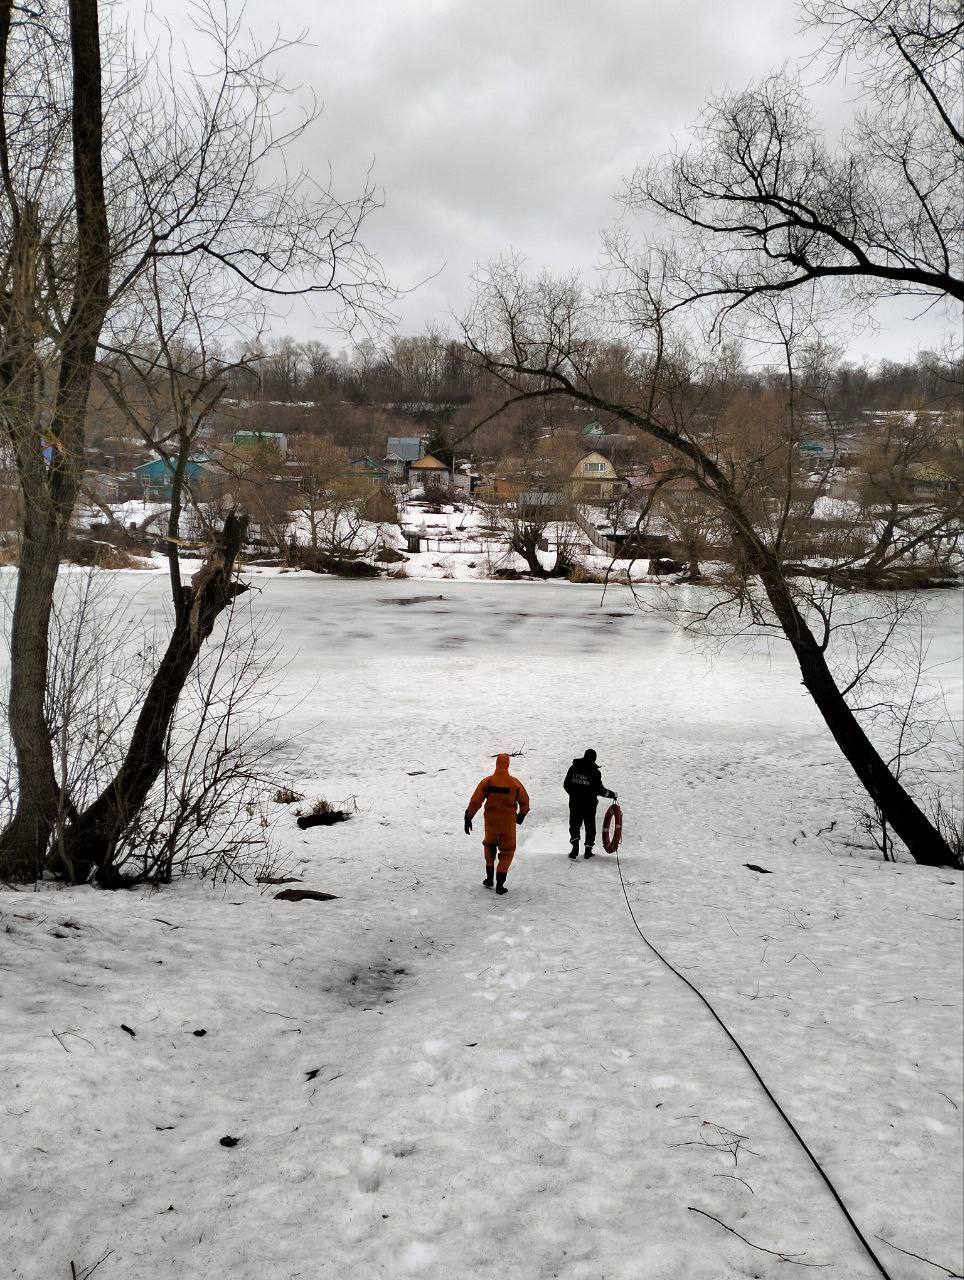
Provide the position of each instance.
(584, 786)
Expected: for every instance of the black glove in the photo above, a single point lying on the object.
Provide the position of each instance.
(468, 825)
(519, 819)
(612, 795)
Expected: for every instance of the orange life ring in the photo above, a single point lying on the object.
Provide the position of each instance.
(612, 828)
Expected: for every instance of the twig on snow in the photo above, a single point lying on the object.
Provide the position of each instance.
(729, 1141)
(76, 1035)
(955, 1275)
(735, 1178)
(85, 1275)
(65, 1049)
(795, 1258)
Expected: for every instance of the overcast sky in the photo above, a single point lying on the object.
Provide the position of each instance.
(494, 124)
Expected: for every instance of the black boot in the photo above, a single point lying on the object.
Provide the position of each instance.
(589, 853)
(500, 882)
(489, 874)
(574, 851)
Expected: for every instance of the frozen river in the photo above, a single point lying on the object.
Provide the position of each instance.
(398, 676)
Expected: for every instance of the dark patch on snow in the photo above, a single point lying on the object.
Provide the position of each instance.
(299, 895)
(362, 988)
(406, 600)
(322, 819)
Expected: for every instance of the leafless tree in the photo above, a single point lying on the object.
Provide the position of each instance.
(540, 338)
(762, 204)
(763, 208)
(543, 507)
(323, 465)
(343, 519)
(112, 164)
(205, 810)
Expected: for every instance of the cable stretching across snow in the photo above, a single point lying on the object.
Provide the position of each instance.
(759, 1079)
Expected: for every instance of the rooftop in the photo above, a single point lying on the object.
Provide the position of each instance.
(405, 448)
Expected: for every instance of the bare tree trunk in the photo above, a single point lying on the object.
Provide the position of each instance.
(524, 541)
(24, 843)
(925, 843)
(91, 838)
(50, 492)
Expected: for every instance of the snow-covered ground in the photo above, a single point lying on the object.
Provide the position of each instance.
(426, 1080)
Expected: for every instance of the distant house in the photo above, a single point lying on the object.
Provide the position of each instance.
(927, 478)
(400, 453)
(105, 488)
(540, 504)
(594, 479)
(816, 450)
(155, 478)
(661, 473)
(596, 436)
(251, 439)
(430, 472)
(375, 475)
(497, 489)
(117, 453)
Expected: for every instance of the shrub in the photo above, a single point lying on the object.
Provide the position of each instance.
(388, 555)
(342, 565)
(285, 795)
(950, 822)
(91, 553)
(580, 573)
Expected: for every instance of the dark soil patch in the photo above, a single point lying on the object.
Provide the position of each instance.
(322, 819)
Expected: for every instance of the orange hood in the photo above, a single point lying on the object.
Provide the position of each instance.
(502, 762)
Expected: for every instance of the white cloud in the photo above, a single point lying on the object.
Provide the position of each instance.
(503, 124)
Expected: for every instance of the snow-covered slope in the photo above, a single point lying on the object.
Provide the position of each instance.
(426, 1080)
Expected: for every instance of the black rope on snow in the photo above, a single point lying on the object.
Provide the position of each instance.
(762, 1083)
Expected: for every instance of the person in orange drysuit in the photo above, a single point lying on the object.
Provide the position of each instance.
(506, 805)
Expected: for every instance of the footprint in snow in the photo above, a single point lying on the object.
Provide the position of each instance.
(369, 1172)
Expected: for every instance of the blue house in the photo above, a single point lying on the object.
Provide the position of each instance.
(157, 476)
